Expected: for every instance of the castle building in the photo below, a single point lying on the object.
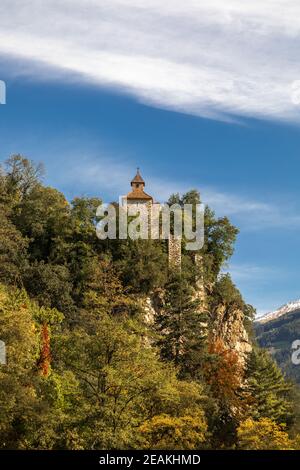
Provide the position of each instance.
(137, 195)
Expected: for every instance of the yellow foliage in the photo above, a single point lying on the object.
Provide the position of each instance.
(169, 432)
(264, 434)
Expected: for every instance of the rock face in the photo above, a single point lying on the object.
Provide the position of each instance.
(231, 330)
(152, 306)
(229, 327)
(149, 311)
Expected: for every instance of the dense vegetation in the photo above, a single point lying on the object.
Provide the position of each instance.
(85, 370)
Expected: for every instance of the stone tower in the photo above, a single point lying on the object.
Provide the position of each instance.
(137, 195)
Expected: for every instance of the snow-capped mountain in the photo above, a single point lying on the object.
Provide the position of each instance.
(287, 308)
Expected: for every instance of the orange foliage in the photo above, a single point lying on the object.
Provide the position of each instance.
(45, 356)
(223, 372)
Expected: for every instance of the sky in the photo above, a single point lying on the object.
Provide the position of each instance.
(197, 94)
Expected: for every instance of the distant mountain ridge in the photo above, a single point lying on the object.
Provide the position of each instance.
(283, 310)
(276, 332)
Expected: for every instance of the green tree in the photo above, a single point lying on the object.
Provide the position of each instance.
(22, 175)
(182, 325)
(13, 245)
(24, 412)
(122, 384)
(142, 264)
(50, 285)
(267, 386)
(219, 237)
(42, 216)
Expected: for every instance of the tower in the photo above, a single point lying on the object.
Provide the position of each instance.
(137, 195)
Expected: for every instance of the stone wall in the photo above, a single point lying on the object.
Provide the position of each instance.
(174, 249)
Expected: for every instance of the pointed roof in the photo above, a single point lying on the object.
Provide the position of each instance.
(137, 193)
(137, 178)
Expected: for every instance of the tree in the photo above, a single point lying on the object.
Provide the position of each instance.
(22, 175)
(182, 325)
(13, 245)
(42, 216)
(219, 237)
(123, 384)
(12, 251)
(84, 369)
(267, 386)
(50, 285)
(264, 434)
(175, 433)
(142, 264)
(104, 292)
(224, 374)
(24, 412)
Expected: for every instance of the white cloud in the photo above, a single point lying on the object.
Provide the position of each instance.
(209, 58)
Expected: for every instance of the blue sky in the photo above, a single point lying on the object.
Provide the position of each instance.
(94, 92)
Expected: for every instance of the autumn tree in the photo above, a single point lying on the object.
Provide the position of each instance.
(224, 374)
(264, 434)
(175, 433)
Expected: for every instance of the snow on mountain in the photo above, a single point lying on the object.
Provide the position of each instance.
(287, 308)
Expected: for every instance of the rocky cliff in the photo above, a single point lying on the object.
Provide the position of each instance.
(229, 327)
(231, 330)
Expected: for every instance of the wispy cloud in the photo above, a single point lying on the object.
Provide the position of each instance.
(254, 273)
(210, 58)
(253, 214)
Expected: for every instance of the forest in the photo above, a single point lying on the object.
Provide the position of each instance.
(85, 367)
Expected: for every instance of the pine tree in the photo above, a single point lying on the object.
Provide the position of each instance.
(182, 326)
(268, 387)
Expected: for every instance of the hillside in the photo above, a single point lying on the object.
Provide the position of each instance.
(276, 332)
